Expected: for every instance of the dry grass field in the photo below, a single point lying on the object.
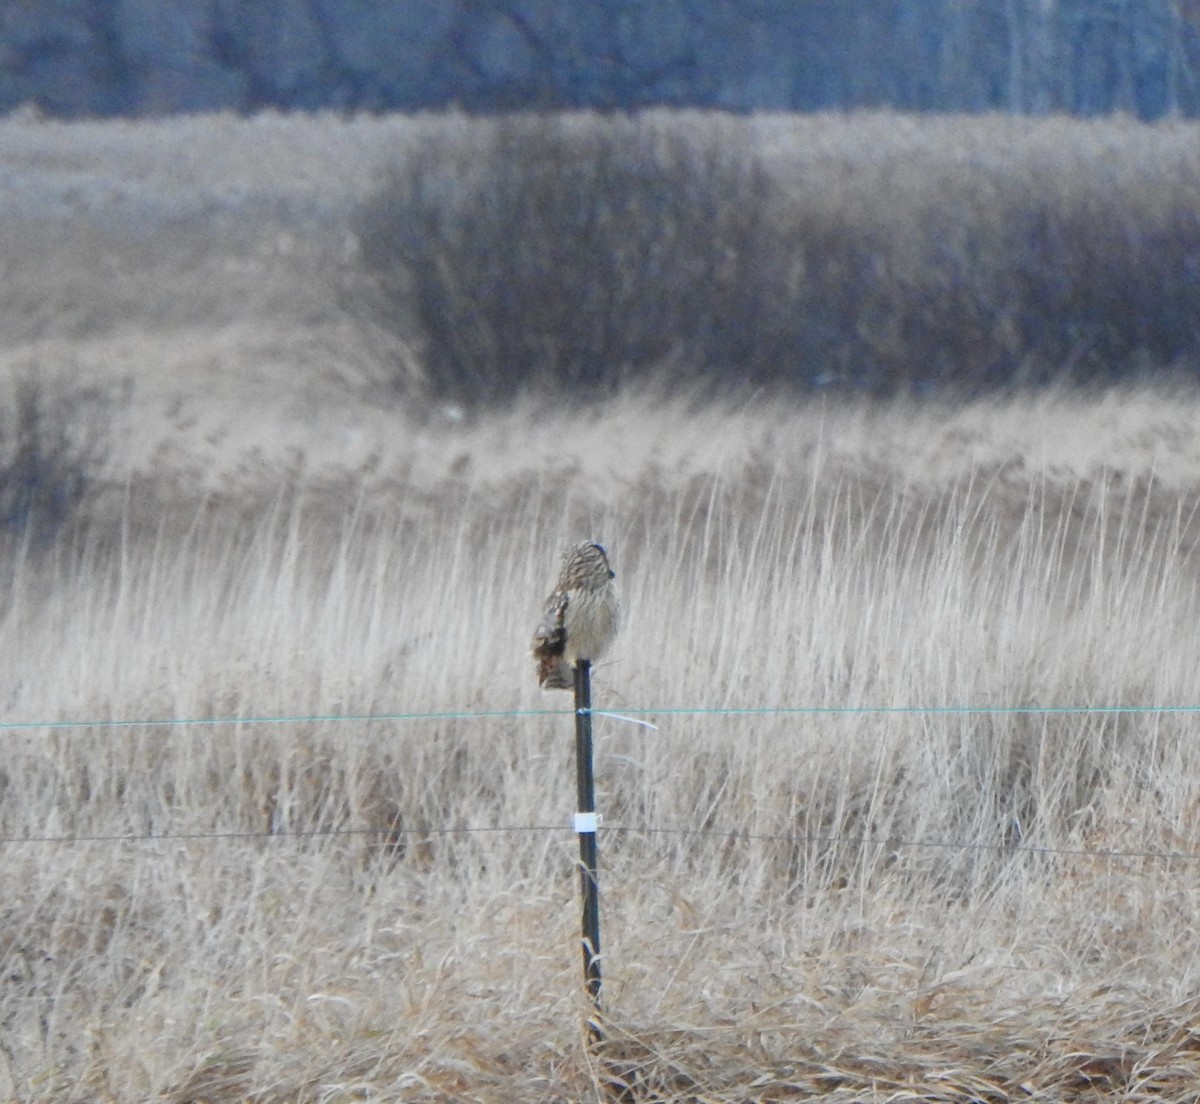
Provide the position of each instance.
(315, 845)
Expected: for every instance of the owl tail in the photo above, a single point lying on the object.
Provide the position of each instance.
(555, 673)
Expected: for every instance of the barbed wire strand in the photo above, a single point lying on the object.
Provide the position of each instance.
(734, 834)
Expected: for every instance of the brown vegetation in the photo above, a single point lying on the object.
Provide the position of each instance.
(862, 894)
(874, 255)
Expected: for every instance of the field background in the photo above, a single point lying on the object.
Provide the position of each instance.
(282, 517)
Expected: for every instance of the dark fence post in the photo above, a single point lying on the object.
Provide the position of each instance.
(586, 825)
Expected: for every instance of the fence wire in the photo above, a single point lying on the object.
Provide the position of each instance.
(631, 714)
(645, 711)
(735, 835)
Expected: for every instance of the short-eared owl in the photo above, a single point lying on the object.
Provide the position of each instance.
(579, 619)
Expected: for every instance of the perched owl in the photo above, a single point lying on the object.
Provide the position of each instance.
(580, 617)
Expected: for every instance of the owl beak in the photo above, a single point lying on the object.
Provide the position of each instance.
(611, 573)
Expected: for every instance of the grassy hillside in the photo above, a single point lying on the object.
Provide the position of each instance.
(822, 873)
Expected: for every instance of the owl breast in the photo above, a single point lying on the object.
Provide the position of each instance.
(592, 621)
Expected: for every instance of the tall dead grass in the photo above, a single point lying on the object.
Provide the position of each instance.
(848, 902)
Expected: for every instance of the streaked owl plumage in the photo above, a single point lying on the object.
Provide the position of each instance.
(580, 618)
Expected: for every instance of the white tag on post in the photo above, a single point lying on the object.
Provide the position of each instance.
(587, 823)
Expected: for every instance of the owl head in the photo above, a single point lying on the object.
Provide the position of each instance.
(585, 566)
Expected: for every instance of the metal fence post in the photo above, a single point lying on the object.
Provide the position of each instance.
(586, 823)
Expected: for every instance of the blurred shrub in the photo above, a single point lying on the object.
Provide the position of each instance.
(50, 445)
(576, 252)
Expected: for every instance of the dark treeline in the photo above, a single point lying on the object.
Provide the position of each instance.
(148, 57)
